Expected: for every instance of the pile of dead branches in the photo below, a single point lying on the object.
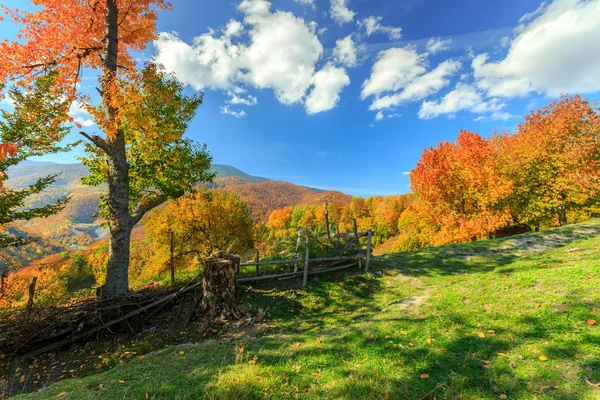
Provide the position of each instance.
(56, 326)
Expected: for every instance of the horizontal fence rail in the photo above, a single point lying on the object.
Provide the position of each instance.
(356, 258)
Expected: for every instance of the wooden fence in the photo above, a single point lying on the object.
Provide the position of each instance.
(362, 251)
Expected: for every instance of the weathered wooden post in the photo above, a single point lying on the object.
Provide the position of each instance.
(31, 294)
(172, 257)
(306, 260)
(369, 240)
(220, 292)
(298, 242)
(327, 220)
(257, 258)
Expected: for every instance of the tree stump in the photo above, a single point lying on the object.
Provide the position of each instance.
(220, 292)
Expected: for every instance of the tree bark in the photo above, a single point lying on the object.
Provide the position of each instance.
(562, 215)
(562, 211)
(118, 168)
(220, 296)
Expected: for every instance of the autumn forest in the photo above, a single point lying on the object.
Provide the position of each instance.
(117, 270)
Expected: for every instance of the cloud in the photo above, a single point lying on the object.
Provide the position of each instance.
(394, 69)
(420, 87)
(306, 2)
(406, 173)
(233, 28)
(344, 52)
(372, 25)
(437, 45)
(340, 12)
(237, 114)
(248, 101)
(281, 53)
(328, 83)
(496, 116)
(80, 115)
(379, 116)
(463, 98)
(554, 53)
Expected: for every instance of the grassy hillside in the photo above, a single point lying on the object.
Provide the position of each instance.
(508, 318)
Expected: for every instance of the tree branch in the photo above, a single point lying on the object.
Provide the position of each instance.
(157, 201)
(97, 140)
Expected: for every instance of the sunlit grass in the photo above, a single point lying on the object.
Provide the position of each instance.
(473, 321)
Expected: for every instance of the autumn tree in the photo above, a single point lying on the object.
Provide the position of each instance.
(31, 130)
(459, 191)
(141, 149)
(554, 161)
(198, 225)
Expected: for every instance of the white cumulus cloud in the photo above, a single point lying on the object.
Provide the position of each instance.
(328, 83)
(229, 111)
(400, 75)
(421, 87)
(437, 45)
(372, 25)
(279, 51)
(340, 12)
(554, 51)
(345, 52)
(463, 98)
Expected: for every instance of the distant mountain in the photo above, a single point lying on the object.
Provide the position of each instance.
(28, 172)
(76, 226)
(224, 171)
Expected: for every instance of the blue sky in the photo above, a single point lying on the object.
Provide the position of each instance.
(346, 94)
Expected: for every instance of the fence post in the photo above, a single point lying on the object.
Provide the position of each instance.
(369, 239)
(327, 220)
(172, 257)
(31, 294)
(257, 257)
(306, 259)
(298, 248)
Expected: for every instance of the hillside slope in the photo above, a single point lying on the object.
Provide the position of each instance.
(76, 226)
(508, 318)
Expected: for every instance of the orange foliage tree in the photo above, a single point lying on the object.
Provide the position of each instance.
(69, 37)
(458, 190)
(554, 161)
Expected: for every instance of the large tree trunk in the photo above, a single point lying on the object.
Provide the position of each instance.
(118, 168)
(220, 292)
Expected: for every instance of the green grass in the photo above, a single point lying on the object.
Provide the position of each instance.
(474, 317)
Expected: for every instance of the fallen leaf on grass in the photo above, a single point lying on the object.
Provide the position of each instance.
(61, 394)
(428, 340)
(296, 368)
(424, 376)
(481, 335)
(486, 362)
(297, 344)
(503, 396)
(591, 321)
(404, 333)
(121, 381)
(141, 357)
(260, 378)
(503, 355)
(543, 358)
(316, 374)
(491, 331)
(182, 352)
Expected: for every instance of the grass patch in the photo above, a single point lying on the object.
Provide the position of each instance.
(480, 320)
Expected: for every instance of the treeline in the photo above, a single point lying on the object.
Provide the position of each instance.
(545, 174)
